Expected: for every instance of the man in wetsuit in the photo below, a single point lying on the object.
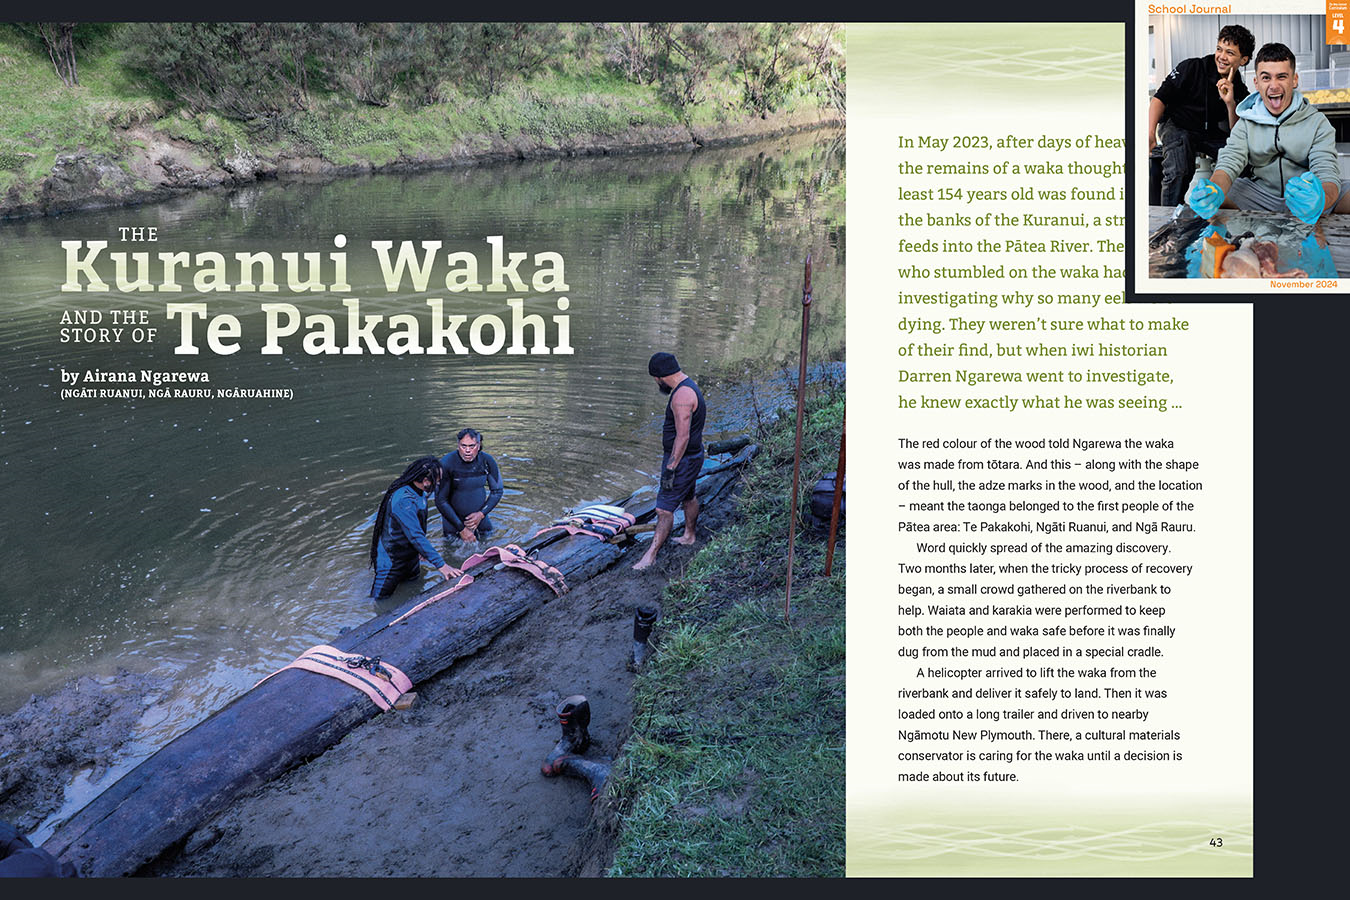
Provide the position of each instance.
(471, 486)
(682, 457)
(400, 536)
(20, 859)
(1196, 107)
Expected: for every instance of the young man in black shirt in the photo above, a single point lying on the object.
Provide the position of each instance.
(1196, 106)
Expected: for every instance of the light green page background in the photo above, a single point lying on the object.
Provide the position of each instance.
(1031, 79)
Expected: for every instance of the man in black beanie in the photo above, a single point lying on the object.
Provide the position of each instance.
(682, 452)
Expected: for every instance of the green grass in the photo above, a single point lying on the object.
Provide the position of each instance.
(215, 135)
(40, 118)
(549, 110)
(736, 762)
(38, 114)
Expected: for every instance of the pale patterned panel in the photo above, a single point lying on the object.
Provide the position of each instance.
(1194, 36)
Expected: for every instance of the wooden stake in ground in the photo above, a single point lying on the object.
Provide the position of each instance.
(797, 451)
(838, 496)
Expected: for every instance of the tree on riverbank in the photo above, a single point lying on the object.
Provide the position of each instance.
(155, 108)
(58, 39)
(250, 69)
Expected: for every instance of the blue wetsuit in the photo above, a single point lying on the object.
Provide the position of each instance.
(468, 487)
(20, 859)
(403, 541)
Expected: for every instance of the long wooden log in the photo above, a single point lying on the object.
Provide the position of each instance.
(296, 715)
(728, 445)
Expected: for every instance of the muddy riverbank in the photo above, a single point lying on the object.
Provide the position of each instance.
(452, 787)
(76, 733)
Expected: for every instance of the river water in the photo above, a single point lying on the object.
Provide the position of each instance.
(212, 540)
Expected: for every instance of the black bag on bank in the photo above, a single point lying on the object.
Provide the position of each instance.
(822, 500)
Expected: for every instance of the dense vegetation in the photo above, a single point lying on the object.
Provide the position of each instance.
(736, 762)
(247, 70)
(367, 94)
(267, 69)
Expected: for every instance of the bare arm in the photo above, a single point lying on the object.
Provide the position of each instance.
(682, 404)
(1155, 112)
(1229, 96)
(1333, 192)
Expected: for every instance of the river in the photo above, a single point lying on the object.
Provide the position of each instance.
(213, 539)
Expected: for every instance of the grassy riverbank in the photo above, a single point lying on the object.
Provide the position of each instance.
(127, 132)
(736, 762)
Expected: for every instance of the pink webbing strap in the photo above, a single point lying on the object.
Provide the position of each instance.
(330, 661)
(464, 581)
(571, 529)
(510, 551)
(512, 555)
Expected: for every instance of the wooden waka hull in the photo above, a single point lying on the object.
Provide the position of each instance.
(295, 715)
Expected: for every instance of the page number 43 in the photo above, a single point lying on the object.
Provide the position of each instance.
(1216, 842)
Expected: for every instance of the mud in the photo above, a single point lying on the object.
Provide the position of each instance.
(452, 787)
(77, 731)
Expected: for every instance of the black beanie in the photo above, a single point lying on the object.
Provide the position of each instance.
(662, 364)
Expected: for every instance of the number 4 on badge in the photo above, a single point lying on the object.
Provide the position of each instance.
(1336, 10)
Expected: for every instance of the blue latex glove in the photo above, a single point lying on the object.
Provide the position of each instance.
(1305, 197)
(1205, 198)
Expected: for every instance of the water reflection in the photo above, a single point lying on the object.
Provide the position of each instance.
(214, 540)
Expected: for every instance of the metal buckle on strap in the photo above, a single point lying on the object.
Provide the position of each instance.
(371, 664)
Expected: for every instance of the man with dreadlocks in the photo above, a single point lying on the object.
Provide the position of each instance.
(400, 534)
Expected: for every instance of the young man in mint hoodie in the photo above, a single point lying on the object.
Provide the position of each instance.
(1289, 144)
